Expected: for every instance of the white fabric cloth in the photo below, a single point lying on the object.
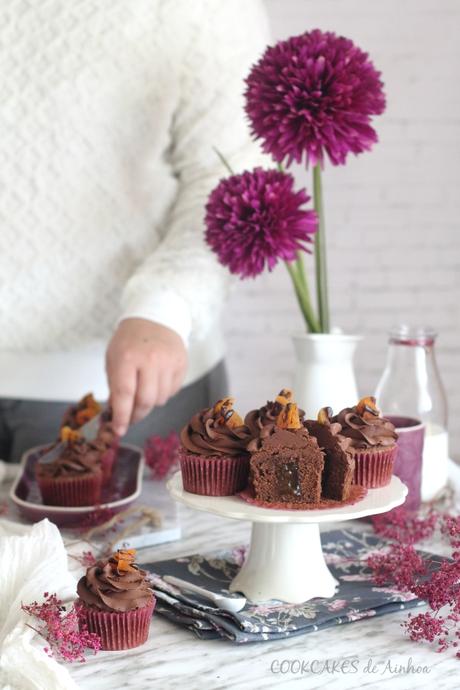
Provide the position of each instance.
(33, 561)
(109, 114)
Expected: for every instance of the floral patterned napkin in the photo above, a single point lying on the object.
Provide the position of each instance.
(345, 552)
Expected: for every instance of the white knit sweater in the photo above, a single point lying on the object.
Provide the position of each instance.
(109, 111)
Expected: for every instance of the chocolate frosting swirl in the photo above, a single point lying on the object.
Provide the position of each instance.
(205, 434)
(111, 589)
(263, 422)
(366, 429)
(78, 457)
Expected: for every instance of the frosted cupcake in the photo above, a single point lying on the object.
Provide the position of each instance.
(372, 442)
(262, 422)
(213, 456)
(106, 442)
(116, 602)
(74, 478)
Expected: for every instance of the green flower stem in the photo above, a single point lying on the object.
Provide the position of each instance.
(320, 253)
(223, 160)
(302, 274)
(302, 294)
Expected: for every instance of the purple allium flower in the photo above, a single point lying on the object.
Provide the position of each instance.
(255, 219)
(313, 95)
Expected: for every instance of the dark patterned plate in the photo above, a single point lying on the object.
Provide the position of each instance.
(124, 487)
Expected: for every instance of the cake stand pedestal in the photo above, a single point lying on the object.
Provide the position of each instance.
(285, 560)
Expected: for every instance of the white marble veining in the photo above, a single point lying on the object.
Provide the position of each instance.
(174, 658)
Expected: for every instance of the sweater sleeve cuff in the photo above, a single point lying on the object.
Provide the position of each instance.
(165, 308)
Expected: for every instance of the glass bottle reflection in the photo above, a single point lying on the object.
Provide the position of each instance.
(411, 386)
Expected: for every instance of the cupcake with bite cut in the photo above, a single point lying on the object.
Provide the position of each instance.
(339, 464)
(213, 456)
(115, 601)
(74, 477)
(372, 442)
(262, 421)
(106, 441)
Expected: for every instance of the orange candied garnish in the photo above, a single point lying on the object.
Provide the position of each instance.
(324, 415)
(88, 408)
(68, 434)
(225, 403)
(124, 559)
(284, 397)
(289, 418)
(368, 406)
(225, 414)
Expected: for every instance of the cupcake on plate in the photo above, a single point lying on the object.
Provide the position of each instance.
(115, 601)
(74, 478)
(106, 442)
(213, 456)
(372, 442)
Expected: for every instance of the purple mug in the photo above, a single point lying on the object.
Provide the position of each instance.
(408, 462)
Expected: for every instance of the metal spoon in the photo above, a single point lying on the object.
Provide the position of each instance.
(230, 604)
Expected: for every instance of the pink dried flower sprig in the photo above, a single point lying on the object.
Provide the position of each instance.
(67, 640)
(161, 455)
(312, 96)
(403, 566)
(257, 218)
(405, 527)
(450, 528)
(399, 565)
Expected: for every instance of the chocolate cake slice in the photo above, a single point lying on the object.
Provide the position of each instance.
(287, 467)
(339, 464)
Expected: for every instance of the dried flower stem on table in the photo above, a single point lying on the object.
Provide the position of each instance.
(402, 565)
(147, 516)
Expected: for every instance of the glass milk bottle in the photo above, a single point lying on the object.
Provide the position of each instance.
(411, 386)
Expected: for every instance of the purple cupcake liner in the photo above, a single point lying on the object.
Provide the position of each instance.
(213, 475)
(374, 468)
(71, 491)
(117, 630)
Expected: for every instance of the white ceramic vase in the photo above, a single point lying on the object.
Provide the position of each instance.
(324, 371)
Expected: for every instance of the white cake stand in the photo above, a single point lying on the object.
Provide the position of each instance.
(285, 560)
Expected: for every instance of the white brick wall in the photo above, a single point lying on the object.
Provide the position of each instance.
(392, 214)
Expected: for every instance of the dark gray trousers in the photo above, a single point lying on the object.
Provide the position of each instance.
(28, 423)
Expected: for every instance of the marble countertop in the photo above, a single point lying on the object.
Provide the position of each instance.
(370, 653)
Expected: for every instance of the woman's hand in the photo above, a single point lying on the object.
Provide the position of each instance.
(146, 364)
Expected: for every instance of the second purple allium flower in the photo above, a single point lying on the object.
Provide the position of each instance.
(314, 95)
(255, 219)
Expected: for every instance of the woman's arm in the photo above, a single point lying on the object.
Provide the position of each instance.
(179, 290)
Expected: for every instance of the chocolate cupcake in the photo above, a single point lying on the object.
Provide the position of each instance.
(213, 456)
(372, 442)
(115, 601)
(262, 421)
(106, 441)
(339, 463)
(286, 465)
(74, 478)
